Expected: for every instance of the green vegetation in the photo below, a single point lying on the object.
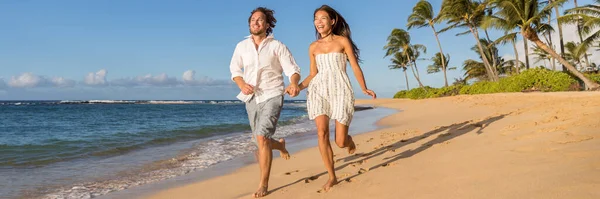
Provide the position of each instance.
(538, 79)
(526, 20)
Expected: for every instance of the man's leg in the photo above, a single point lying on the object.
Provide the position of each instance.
(266, 122)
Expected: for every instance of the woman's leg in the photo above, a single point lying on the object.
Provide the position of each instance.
(322, 123)
(342, 139)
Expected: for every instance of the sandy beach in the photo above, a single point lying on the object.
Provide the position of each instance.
(517, 145)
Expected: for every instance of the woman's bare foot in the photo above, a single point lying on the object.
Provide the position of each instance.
(283, 152)
(329, 184)
(352, 146)
(262, 191)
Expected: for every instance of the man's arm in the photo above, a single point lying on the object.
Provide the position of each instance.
(288, 63)
(290, 69)
(237, 74)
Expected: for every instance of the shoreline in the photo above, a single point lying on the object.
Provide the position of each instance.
(366, 118)
(525, 145)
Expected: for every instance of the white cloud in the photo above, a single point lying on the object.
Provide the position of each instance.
(30, 80)
(188, 76)
(62, 82)
(96, 79)
(190, 79)
(25, 80)
(147, 80)
(569, 34)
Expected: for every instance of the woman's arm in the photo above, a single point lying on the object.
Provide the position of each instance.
(356, 68)
(313, 68)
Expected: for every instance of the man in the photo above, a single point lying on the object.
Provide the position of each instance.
(256, 67)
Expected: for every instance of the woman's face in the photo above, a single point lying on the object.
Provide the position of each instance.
(323, 23)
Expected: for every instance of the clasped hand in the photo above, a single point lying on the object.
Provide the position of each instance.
(292, 90)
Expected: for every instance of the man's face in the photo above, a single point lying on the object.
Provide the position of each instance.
(258, 23)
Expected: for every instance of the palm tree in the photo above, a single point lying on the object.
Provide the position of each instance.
(542, 55)
(560, 33)
(414, 51)
(530, 15)
(423, 16)
(475, 70)
(439, 62)
(459, 81)
(576, 52)
(400, 62)
(579, 29)
(467, 14)
(399, 42)
(589, 16)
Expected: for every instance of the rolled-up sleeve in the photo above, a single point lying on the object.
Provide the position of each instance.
(288, 63)
(236, 64)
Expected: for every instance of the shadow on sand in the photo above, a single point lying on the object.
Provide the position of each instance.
(454, 130)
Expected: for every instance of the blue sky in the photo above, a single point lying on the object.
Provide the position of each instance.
(151, 49)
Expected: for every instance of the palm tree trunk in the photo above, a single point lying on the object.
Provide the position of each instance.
(443, 57)
(486, 62)
(417, 69)
(560, 36)
(517, 64)
(494, 58)
(406, 77)
(587, 61)
(552, 62)
(416, 74)
(416, 77)
(589, 84)
(526, 45)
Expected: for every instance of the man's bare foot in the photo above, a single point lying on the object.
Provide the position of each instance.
(352, 147)
(329, 184)
(284, 153)
(262, 191)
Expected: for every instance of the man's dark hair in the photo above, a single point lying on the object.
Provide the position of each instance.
(269, 17)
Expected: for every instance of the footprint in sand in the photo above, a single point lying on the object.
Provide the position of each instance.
(370, 139)
(363, 170)
(310, 179)
(387, 164)
(573, 138)
(356, 163)
(292, 172)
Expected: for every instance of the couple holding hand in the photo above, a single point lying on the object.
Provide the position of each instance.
(257, 66)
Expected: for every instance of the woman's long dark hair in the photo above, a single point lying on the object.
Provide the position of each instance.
(340, 27)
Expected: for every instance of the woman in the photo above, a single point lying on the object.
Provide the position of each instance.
(330, 94)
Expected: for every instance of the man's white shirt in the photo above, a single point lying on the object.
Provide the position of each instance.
(262, 68)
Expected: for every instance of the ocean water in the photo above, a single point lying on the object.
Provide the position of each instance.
(83, 149)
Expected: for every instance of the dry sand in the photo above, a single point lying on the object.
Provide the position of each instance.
(519, 145)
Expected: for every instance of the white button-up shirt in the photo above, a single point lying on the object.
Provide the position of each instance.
(262, 68)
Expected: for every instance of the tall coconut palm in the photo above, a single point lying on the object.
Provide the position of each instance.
(560, 33)
(399, 61)
(542, 55)
(530, 15)
(467, 14)
(438, 64)
(589, 16)
(579, 29)
(414, 51)
(422, 16)
(475, 70)
(576, 52)
(399, 42)
(509, 36)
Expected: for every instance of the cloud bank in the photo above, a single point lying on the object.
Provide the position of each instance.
(30, 80)
(100, 79)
